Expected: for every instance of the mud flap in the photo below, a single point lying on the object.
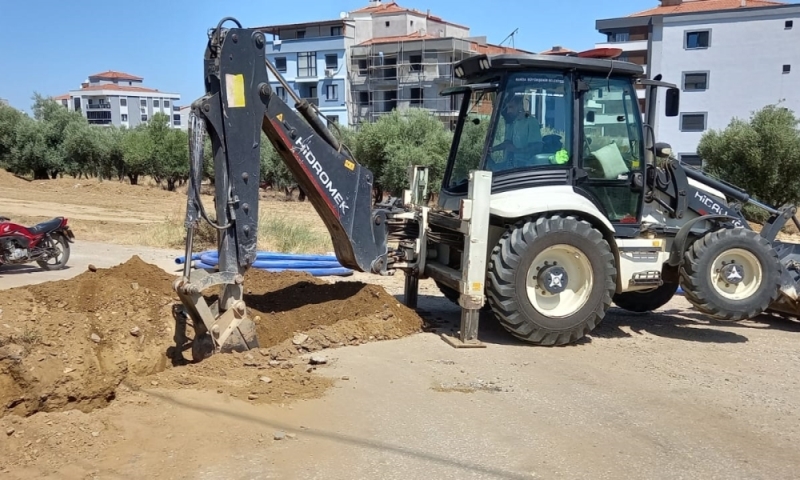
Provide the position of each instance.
(787, 303)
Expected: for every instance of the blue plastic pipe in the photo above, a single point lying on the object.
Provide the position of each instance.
(317, 272)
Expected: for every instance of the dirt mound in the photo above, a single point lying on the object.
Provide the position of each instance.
(71, 344)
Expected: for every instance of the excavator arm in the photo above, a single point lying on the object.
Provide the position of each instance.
(238, 105)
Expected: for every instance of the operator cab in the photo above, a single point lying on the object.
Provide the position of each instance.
(537, 120)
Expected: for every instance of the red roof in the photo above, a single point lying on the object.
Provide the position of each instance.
(62, 97)
(113, 86)
(476, 47)
(112, 75)
(392, 7)
(694, 6)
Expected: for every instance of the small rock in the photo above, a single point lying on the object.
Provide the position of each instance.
(345, 377)
(92, 268)
(154, 383)
(135, 331)
(95, 338)
(252, 397)
(274, 363)
(266, 379)
(318, 360)
(250, 363)
(10, 431)
(135, 286)
(69, 370)
(249, 357)
(299, 339)
(95, 434)
(264, 352)
(279, 436)
(291, 436)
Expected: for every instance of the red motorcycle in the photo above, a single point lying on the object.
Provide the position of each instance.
(46, 243)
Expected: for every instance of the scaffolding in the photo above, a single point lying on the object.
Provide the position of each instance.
(408, 73)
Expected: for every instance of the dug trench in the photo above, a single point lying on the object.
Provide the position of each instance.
(72, 344)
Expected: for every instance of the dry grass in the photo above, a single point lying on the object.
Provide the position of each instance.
(279, 234)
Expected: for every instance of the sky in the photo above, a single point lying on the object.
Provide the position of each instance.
(51, 46)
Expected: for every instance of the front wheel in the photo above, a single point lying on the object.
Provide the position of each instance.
(58, 245)
(731, 274)
(551, 280)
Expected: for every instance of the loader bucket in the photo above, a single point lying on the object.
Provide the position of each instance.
(787, 303)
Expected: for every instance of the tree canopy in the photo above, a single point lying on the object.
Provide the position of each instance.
(760, 155)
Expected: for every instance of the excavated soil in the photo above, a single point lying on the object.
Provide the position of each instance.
(72, 344)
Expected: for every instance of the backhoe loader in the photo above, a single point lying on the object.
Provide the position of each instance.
(557, 202)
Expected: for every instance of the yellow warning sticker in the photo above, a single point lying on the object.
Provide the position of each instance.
(348, 164)
(477, 286)
(279, 117)
(234, 87)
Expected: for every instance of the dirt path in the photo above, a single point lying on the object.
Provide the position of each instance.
(647, 396)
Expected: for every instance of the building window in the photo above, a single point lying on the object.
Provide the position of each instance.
(698, 39)
(281, 93)
(416, 62)
(332, 61)
(280, 64)
(307, 64)
(787, 68)
(363, 98)
(155, 103)
(166, 103)
(416, 97)
(336, 31)
(301, 34)
(143, 102)
(387, 24)
(362, 67)
(123, 102)
(789, 24)
(333, 120)
(176, 119)
(331, 92)
(691, 159)
(618, 37)
(693, 122)
(695, 82)
(144, 117)
(124, 117)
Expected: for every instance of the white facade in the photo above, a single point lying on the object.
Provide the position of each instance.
(728, 64)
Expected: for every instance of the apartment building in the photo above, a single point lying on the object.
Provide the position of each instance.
(312, 58)
(404, 58)
(120, 99)
(3, 101)
(729, 57)
(371, 61)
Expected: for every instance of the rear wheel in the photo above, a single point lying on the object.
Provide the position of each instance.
(58, 244)
(646, 301)
(550, 280)
(731, 274)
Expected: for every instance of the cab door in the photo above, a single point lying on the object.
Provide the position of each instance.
(611, 148)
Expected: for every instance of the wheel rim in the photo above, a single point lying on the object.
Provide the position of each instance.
(559, 281)
(736, 274)
(58, 248)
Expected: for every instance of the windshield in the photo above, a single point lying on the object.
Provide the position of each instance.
(471, 142)
(534, 125)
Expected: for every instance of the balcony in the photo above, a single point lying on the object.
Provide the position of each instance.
(309, 44)
(631, 46)
(98, 106)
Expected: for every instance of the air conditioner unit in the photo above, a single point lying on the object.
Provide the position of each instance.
(329, 73)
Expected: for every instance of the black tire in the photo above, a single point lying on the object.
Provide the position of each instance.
(695, 278)
(60, 240)
(646, 301)
(507, 279)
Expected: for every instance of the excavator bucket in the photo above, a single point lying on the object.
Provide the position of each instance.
(788, 303)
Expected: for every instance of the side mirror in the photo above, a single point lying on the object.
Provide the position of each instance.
(663, 150)
(673, 103)
(476, 121)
